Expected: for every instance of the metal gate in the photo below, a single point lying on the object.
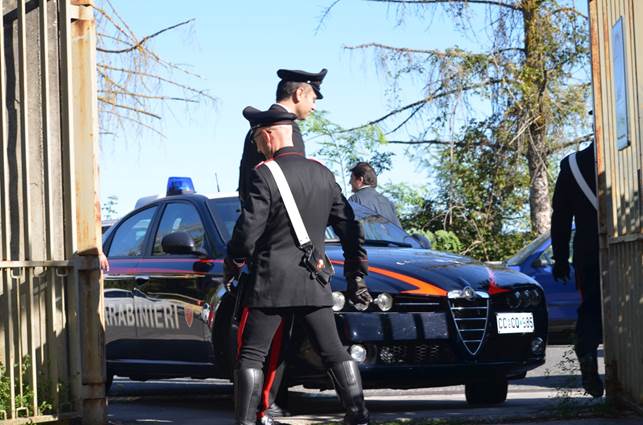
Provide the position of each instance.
(51, 305)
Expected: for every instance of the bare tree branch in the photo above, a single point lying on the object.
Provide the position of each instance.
(146, 96)
(487, 2)
(133, 120)
(129, 108)
(576, 141)
(158, 77)
(439, 53)
(144, 39)
(569, 10)
(426, 100)
(325, 15)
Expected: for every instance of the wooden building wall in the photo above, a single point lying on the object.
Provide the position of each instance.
(617, 73)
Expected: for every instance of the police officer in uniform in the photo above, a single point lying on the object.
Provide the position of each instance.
(297, 92)
(363, 181)
(573, 202)
(281, 287)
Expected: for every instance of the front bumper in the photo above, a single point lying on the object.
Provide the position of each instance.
(419, 349)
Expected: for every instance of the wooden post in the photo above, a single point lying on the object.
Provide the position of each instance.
(87, 211)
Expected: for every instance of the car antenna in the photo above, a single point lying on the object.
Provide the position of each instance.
(216, 177)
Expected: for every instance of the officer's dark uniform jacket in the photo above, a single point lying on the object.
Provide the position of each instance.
(265, 235)
(571, 203)
(251, 157)
(375, 201)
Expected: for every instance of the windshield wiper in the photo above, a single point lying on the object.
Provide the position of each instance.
(384, 242)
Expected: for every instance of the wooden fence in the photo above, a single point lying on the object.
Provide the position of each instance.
(51, 306)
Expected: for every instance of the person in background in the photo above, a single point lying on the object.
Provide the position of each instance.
(575, 200)
(297, 93)
(363, 181)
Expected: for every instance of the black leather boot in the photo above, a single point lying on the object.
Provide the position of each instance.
(247, 393)
(348, 384)
(589, 370)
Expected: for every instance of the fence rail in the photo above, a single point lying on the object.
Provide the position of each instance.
(40, 324)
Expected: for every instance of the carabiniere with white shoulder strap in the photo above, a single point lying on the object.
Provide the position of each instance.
(310, 259)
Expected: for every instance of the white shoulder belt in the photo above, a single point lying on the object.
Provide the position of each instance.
(581, 181)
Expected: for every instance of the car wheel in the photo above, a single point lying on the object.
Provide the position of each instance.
(491, 391)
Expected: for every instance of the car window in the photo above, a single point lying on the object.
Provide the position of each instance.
(130, 236)
(547, 257)
(180, 217)
(527, 250)
(225, 211)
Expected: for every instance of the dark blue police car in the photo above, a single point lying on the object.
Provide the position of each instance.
(438, 319)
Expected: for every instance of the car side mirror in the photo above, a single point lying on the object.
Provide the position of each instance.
(180, 243)
(422, 240)
(539, 263)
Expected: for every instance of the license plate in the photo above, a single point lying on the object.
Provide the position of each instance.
(515, 323)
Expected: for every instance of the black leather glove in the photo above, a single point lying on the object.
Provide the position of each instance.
(231, 271)
(357, 290)
(560, 270)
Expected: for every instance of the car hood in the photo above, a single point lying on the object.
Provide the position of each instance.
(426, 272)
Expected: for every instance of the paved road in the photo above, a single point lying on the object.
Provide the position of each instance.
(198, 402)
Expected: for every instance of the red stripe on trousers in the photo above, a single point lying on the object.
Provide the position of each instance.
(273, 361)
(242, 325)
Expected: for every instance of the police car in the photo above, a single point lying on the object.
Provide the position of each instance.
(438, 319)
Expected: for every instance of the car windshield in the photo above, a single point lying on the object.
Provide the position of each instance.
(377, 230)
(527, 250)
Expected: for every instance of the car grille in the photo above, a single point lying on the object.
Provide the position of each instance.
(470, 319)
(415, 353)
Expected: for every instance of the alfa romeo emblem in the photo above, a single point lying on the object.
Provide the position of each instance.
(468, 293)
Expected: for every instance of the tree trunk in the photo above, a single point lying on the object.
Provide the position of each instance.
(536, 111)
(540, 209)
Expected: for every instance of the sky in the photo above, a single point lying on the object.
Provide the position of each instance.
(237, 48)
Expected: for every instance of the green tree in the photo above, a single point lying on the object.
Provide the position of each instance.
(529, 87)
(340, 149)
(108, 209)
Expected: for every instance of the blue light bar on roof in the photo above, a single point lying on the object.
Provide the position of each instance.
(179, 186)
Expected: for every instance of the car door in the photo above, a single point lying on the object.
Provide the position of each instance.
(173, 291)
(562, 298)
(124, 248)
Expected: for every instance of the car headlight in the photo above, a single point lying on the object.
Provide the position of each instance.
(339, 301)
(536, 297)
(513, 299)
(358, 353)
(384, 301)
(525, 298)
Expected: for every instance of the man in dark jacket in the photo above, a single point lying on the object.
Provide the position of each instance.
(281, 286)
(363, 182)
(297, 93)
(575, 199)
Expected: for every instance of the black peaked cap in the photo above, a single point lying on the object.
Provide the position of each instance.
(313, 78)
(259, 118)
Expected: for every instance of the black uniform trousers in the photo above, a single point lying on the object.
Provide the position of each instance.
(261, 325)
(589, 327)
